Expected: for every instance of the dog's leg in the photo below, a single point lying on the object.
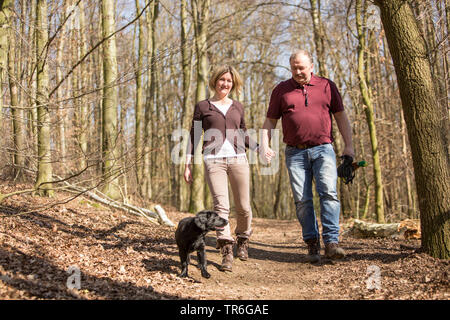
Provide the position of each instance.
(184, 258)
(201, 255)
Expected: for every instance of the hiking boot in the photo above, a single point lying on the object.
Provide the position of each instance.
(242, 248)
(333, 251)
(226, 250)
(313, 255)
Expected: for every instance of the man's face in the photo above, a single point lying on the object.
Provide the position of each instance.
(301, 68)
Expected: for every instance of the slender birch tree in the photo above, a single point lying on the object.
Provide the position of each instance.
(31, 101)
(319, 37)
(5, 13)
(152, 15)
(111, 151)
(8, 62)
(200, 13)
(17, 111)
(368, 109)
(139, 103)
(83, 109)
(60, 92)
(45, 170)
(186, 53)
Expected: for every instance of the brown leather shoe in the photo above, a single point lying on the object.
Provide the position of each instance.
(333, 251)
(242, 248)
(313, 255)
(226, 250)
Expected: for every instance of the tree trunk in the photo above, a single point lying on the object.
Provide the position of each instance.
(425, 130)
(446, 63)
(447, 19)
(367, 186)
(345, 195)
(200, 10)
(186, 53)
(154, 94)
(319, 37)
(44, 174)
(123, 146)
(60, 108)
(32, 114)
(152, 14)
(82, 79)
(111, 151)
(367, 100)
(8, 61)
(5, 13)
(97, 110)
(139, 108)
(410, 210)
(16, 110)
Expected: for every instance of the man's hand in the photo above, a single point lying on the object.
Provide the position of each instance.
(346, 131)
(348, 151)
(265, 151)
(266, 154)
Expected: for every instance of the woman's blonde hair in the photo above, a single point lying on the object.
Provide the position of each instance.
(221, 70)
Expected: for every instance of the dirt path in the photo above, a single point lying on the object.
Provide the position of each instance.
(120, 256)
(278, 269)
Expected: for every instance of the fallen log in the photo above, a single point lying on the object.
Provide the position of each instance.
(163, 217)
(158, 217)
(406, 229)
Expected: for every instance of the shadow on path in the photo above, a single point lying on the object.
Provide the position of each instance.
(40, 278)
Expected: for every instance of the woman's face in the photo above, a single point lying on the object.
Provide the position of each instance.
(224, 84)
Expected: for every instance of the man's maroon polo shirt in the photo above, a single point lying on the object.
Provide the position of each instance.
(302, 124)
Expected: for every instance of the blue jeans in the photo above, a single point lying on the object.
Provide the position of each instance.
(319, 163)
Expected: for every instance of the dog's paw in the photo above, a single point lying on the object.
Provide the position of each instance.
(183, 274)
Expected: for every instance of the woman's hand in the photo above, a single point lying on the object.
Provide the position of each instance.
(187, 174)
(266, 154)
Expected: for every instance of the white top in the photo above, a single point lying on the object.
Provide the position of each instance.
(227, 149)
(223, 108)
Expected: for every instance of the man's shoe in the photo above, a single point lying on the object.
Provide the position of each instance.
(313, 250)
(226, 250)
(333, 251)
(242, 248)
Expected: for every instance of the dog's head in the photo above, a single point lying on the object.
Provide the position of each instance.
(209, 220)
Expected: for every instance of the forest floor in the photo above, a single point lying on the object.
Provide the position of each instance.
(122, 256)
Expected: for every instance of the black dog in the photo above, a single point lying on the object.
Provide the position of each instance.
(190, 236)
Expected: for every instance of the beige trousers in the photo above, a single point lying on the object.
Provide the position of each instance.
(218, 171)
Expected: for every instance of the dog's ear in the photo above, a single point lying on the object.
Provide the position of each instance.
(201, 219)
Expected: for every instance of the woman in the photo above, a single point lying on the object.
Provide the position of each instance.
(224, 145)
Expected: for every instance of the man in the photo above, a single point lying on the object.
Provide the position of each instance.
(305, 104)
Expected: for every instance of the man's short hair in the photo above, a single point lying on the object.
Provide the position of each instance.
(299, 52)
